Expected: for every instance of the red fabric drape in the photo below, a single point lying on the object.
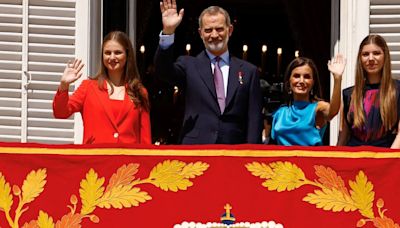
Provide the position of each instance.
(294, 186)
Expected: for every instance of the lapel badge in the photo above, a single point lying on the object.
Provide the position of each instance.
(240, 77)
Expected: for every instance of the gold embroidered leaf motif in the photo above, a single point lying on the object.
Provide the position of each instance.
(31, 224)
(192, 170)
(260, 170)
(287, 176)
(123, 196)
(70, 221)
(33, 185)
(167, 176)
(385, 222)
(362, 194)
(91, 190)
(331, 199)
(330, 179)
(123, 176)
(5, 194)
(44, 220)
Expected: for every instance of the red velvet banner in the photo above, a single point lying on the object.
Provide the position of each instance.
(73, 186)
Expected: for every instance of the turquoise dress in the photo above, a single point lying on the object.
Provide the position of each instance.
(295, 125)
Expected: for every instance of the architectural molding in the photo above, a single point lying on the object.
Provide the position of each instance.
(348, 30)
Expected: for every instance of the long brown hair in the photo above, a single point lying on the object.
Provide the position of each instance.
(387, 90)
(131, 77)
(315, 92)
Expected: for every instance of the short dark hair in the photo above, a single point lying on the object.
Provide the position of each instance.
(213, 10)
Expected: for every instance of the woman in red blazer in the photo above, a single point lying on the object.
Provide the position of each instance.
(114, 104)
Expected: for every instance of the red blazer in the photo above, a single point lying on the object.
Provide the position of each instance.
(99, 124)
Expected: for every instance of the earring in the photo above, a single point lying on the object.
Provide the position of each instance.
(290, 92)
(312, 92)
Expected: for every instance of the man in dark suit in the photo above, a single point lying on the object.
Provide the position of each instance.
(223, 101)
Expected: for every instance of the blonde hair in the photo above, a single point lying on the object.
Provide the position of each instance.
(387, 90)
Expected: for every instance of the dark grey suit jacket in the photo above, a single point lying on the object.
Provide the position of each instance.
(203, 122)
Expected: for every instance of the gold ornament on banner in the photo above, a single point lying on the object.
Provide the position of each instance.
(121, 192)
(333, 194)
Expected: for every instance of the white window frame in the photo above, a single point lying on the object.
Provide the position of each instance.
(350, 24)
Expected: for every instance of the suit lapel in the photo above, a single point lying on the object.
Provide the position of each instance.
(105, 103)
(233, 79)
(204, 68)
(127, 106)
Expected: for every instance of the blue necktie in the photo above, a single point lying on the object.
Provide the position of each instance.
(219, 84)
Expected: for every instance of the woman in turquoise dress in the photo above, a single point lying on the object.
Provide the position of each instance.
(303, 118)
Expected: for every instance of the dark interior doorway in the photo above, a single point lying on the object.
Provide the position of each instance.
(115, 15)
(302, 25)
